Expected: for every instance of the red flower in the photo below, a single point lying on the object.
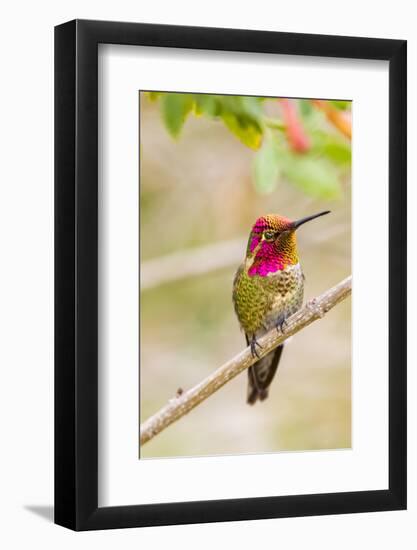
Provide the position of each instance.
(296, 135)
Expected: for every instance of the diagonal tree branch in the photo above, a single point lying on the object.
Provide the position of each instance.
(184, 403)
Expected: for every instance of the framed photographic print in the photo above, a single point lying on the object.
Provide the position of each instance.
(230, 252)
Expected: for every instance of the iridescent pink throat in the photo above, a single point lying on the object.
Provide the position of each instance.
(267, 260)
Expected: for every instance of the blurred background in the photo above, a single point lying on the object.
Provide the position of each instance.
(209, 167)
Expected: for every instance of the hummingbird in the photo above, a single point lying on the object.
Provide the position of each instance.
(267, 289)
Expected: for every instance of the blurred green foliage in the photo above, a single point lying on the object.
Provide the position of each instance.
(301, 144)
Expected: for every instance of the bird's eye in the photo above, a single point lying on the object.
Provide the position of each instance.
(269, 235)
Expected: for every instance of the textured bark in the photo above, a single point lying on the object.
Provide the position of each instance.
(184, 402)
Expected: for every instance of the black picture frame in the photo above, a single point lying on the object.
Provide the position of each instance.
(76, 273)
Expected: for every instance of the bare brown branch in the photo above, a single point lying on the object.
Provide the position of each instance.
(185, 401)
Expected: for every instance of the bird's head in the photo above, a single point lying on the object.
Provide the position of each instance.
(272, 244)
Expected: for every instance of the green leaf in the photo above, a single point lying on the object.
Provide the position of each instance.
(314, 176)
(175, 108)
(266, 166)
(250, 106)
(243, 117)
(339, 151)
(249, 132)
(153, 96)
(274, 124)
(206, 104)
(333, 147)
(341, 105)
(306, 107)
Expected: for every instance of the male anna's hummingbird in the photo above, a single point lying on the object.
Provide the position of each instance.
(268, 287)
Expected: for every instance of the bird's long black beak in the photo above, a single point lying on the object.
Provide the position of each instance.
(297, 223)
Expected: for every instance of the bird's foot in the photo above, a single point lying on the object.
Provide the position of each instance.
(253, 344)
(281, 324)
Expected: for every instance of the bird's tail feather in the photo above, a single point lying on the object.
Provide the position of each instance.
(261, 374)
